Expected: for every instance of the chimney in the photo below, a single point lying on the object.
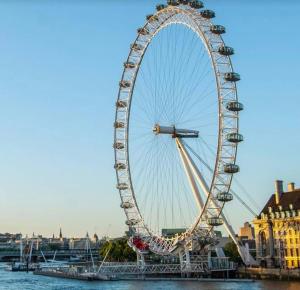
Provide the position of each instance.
(278, 190)
(291, 186)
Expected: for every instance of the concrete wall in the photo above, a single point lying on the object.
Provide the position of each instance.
(269, 274)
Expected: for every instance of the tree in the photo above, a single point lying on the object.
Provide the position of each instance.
(231, 251)
(119, 251)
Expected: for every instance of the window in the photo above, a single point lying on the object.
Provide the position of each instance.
(263, 244)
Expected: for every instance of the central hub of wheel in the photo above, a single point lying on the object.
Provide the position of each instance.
(174, 132)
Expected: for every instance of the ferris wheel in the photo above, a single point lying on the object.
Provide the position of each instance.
(177, 129)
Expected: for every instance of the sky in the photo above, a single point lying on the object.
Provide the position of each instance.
(60, 64)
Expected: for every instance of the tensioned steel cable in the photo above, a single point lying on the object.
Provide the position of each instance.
(232, 191)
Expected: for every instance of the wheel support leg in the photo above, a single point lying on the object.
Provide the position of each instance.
(241, 249)
(190, 176)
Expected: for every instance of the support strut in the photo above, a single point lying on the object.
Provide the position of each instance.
(244, 253)
(190, 176)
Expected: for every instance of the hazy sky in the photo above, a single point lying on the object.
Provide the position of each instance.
(60, 64)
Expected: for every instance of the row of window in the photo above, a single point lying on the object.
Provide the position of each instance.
(288, 240)
(294, 253)
(291, 252)
(291, 231)
(292, 264)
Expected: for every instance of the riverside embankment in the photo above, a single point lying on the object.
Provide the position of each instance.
(269, 274)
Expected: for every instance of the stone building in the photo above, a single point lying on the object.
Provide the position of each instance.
(277, 229)
(247, 231)
(247, 238)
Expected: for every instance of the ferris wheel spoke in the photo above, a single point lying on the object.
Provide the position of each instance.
(143, 119)
(205, 158)
(194, 72)
(149, 175)
(184, 92)
(186, 59)
(143, 137)
(179, 203)
(181, 62)
(204, 162)
(164, 89)
(204, 95)
(156, 170)
(211, 148)
(203, 98)
(208, 108)
(179, 68)
(146, 107)
(139, 159)
(199, 116)
(204, 127)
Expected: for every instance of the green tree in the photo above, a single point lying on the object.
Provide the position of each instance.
(119, 251)
(231, 251)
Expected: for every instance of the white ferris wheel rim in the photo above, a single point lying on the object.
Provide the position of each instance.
(228, 121)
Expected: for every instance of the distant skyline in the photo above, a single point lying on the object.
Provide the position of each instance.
(60, 65)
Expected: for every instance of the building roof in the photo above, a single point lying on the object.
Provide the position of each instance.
(287, 198)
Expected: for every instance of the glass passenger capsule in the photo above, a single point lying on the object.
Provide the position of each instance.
(129, 64)
(121, 104)
(196, 4)
(226, 50)
(120, 166)
(125, 84)
(184, 2)
(234, 137)
(132, 222)
(143, 31)
(217, 29)
(160, 7)
(214, 221)
(224, 196)
(232, 77)
(173, 2)
(119, 125)
(208, 14)
(234, 106)
(119, 145)
(122, 186)
(231, 168)
(152, 18)
(126, 205)
(137, 47)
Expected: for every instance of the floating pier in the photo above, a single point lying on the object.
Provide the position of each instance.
(69, 274)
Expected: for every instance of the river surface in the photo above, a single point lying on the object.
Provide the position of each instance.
(27, 281)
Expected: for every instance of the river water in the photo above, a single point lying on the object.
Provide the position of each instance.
(27, 281)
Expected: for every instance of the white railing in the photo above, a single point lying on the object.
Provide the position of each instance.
(199, 267)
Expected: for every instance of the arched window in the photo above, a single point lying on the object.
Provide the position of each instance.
(263, 244)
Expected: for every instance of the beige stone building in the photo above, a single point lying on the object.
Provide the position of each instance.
(277, 229)
(247, 231)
